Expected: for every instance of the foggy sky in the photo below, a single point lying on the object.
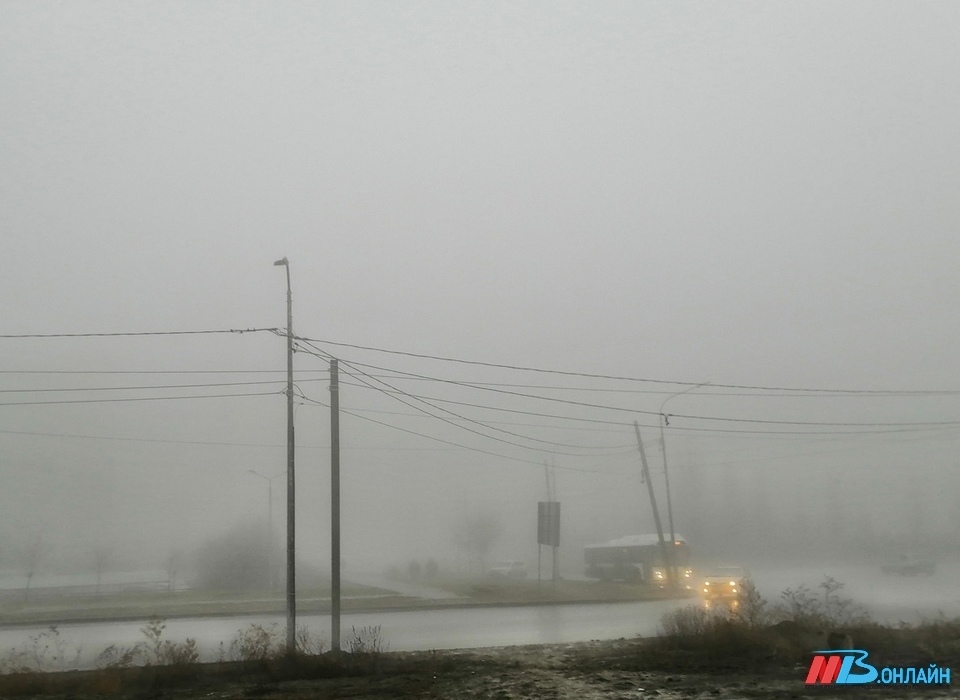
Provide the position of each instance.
(751, 194)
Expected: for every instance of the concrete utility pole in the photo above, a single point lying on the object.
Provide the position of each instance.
(291, 482)
(667, 554)
(335, 505)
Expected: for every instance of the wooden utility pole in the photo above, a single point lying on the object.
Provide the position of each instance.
(667, 554)
(334, 505)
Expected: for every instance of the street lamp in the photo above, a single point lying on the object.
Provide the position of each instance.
(664, 420)
(291, 515)
(269, 480)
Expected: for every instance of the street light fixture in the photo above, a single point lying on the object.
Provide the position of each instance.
(269, 480)
(664, 420)
(291, 515)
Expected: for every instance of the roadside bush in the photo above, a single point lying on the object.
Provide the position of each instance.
(46, 651)
(804, 621)
(803, 606)
(154, 651)
(308, 643)
(691, 621)
(753, 606)
(256, 643)
(366, 640)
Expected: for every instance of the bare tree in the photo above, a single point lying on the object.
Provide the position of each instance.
(172, 564)
(102, 554)
(31, 556)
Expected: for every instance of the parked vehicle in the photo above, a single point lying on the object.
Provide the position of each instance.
(509, 569)
(909, 565)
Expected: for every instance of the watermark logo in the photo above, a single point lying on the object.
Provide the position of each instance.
(848, 667)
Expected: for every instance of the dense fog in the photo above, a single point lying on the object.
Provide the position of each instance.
(520, 228)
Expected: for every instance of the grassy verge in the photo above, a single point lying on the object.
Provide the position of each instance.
(755, 635)
(194, 603)
(530, 592)
(139, 606)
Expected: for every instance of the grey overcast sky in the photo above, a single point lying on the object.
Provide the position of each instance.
(750, 193)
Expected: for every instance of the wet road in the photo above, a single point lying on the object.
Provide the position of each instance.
(401, 631)
(888, 598)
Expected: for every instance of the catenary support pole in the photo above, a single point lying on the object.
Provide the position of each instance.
(334, 505)
(665, 552)
(291, 481)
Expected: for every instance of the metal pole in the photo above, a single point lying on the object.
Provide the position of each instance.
(666, 477)
(270, 534)
(663, 444)
(270, 553)
(335, 505)
(291, 482)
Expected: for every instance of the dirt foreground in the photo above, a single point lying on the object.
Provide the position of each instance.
(589, 670)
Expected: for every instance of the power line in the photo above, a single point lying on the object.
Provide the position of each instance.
(519, 412)
(140, 333)
(156, 371)
(724, 432)
(143, 387)
(475, 422)
(633, 411)
(205, 443)
(464, 418)
(138, 398)
(590, 375)
(669, 392)
(447, 442)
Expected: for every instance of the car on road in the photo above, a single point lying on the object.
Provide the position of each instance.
(723, 582)
(509, 569)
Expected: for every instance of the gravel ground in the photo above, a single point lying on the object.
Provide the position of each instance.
(589, 671)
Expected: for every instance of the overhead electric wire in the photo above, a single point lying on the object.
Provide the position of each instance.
(149, 386)
(139, 333)
(139, 398)
(590, 375)
(667, 392)
(464, 418)
(446, 442)
(476, 422)
(633, 411)
(716, 431)
(203, 443)
(525, 413)
(156, 371)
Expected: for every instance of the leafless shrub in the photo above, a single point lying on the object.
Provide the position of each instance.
(256, 642)
(308, 642)
(366, 640)
(803, 606)
(753, 607)
(691, 621)
(115, 656)
(45, 651)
